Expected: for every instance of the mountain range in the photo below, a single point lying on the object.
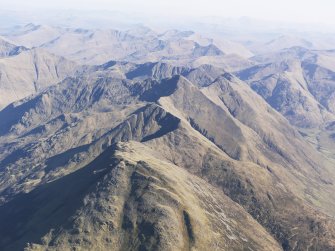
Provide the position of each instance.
(145, 140)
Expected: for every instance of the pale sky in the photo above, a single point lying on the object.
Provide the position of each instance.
(305, 11)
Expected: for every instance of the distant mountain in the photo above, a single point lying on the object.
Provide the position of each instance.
(29, 72)
(225, 45)
(281, 42)
(32, 35)
(297, 83)
(134, 45)
(8, 49)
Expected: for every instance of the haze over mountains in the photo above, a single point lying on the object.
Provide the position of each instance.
(140, 44)
(143, 139)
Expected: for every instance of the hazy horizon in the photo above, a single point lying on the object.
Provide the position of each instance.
(306, 12)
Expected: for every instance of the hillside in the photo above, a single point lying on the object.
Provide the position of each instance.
(29, 72)
(266, 168)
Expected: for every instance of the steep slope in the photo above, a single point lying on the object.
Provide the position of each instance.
(263, 192)
(286, 84)
(8, 49)
(130, 198)
(64, 120)
(299, 83)
(29, 72)
(320, 76)
(218, 130)
(266, 139)
(249, 184)
(201, 76)
(32, 35)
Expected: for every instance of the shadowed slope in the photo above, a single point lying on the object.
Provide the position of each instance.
(130, 199)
